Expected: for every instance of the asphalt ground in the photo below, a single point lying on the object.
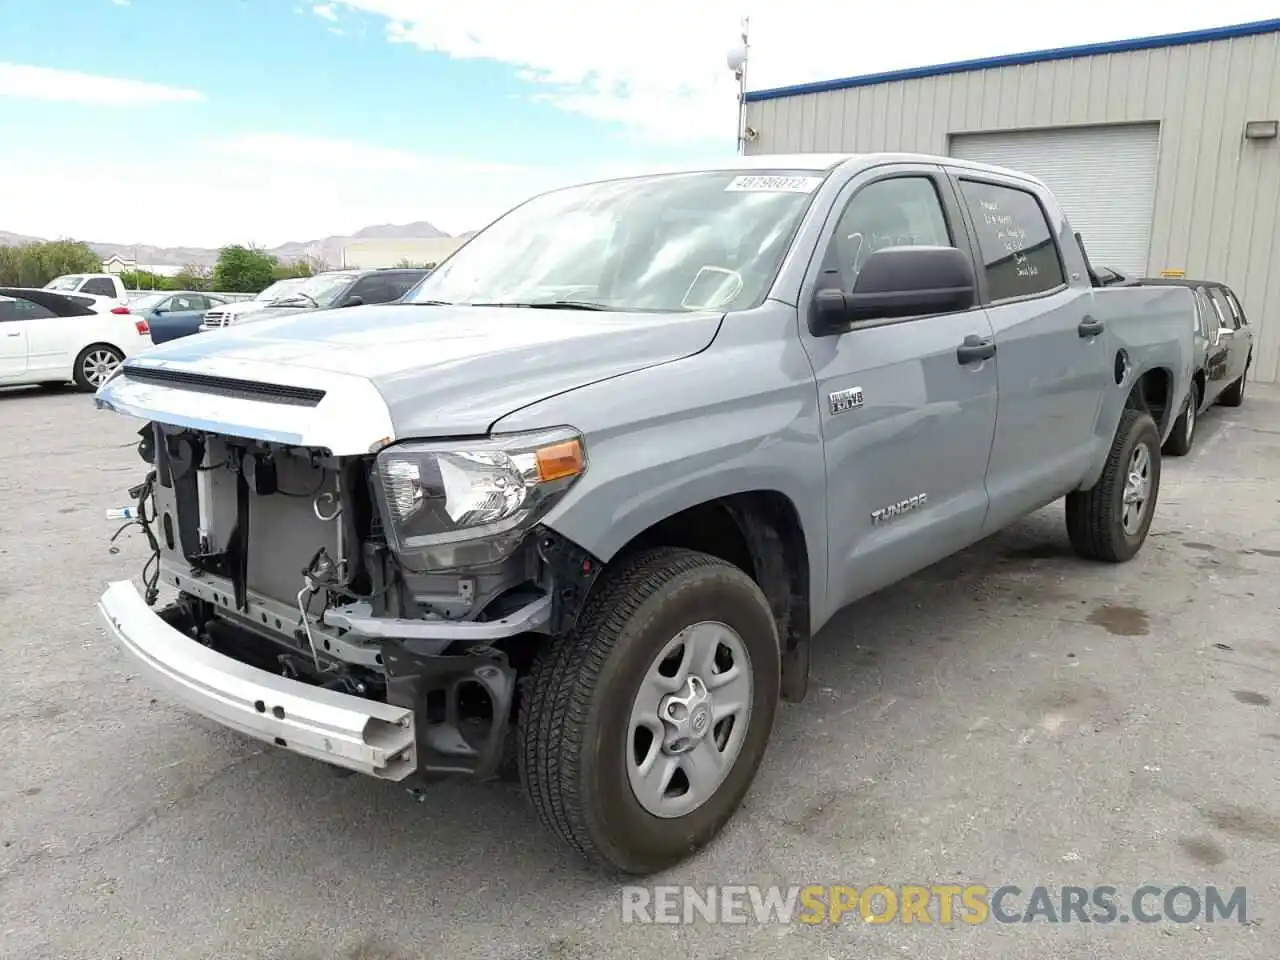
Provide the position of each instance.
(1012, 716)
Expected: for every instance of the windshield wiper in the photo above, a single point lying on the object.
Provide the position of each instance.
(293, 298)
(428, 303)
(549, 305)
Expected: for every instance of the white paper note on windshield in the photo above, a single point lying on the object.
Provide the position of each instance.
(766, 184)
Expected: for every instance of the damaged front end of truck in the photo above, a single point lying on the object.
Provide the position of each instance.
(362, 601)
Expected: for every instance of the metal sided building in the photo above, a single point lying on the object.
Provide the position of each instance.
(1163, 150)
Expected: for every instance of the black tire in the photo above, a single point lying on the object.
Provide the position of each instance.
(1184, 428)
(1233, 396)
(1095, 517)
(574, 723)
(82, 378)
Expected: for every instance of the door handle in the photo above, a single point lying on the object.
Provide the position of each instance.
(1089, 327)
(18, 334)
(975, 349)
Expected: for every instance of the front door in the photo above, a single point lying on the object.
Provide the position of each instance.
(906, 426)
(1053, 360)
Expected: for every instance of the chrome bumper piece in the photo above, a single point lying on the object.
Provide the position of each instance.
(362, 735)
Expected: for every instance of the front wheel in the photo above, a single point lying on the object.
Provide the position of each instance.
(95, 364)
(640, 733)
(1110, 521)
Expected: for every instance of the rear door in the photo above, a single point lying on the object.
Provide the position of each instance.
(13, 340)
(1052, 359)
(1218, 354)
(1238, 336)
(906, 426)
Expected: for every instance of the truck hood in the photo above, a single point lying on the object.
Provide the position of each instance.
(438, 370)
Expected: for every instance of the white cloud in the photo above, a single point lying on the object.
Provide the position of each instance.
(68, 86)
(325, 10)
(659, 67)
(120, 3)
(264, 188)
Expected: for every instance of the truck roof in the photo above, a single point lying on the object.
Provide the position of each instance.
(820, 163)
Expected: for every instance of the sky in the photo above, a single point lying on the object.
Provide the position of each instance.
(205, 122)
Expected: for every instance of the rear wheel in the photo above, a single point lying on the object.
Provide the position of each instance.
(95, 364)
(1233, 396)
(1184, 428)
(1110, 521)
(640, 733)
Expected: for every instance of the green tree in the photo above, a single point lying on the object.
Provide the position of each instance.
(193, 277)
(243, 269)
(145, 280)
(406, 263)
(35, 264)
(292, 268)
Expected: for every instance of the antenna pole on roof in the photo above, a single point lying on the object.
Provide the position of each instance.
(737, 61)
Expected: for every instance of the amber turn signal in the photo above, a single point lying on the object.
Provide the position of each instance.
(560, 460)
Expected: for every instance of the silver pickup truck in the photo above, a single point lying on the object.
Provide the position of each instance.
(578, 506)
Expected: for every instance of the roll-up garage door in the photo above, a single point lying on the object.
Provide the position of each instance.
(1104, 177)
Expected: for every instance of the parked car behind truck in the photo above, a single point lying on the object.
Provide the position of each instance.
(1222, 357)
(599, 498)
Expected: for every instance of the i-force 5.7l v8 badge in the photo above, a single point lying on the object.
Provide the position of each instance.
(842, 401)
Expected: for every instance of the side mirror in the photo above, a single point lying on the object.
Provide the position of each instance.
(899, 282)
(353, 302)
(158, 310)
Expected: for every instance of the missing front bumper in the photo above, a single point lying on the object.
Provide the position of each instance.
(420, 730)
(369, 737)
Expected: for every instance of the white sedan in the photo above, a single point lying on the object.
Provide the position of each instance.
(50, 338)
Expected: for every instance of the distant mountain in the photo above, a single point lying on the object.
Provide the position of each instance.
(327, 250)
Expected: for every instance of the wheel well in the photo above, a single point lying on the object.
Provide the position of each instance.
(1198, 378)
(95, 345)
(1150, 393)
(758, 532)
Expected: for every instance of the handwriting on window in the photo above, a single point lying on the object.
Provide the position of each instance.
(1010, 236)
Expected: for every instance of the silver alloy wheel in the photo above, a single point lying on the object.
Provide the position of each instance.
(1189, 425)
(98, 365)
(1137, 489)
(689, 719)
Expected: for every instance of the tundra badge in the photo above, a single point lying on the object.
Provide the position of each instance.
(899, 508)
(842, 401)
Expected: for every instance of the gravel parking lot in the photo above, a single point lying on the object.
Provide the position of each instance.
(1011, 716)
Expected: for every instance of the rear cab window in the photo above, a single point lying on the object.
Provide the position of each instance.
(99, 287)
(1234, 303)
(1230, 319)
(1019, 253)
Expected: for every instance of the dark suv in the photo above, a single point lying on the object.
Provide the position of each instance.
(341, 288)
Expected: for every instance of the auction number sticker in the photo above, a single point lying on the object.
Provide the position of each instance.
(764, 184)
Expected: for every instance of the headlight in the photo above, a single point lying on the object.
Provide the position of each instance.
(448, 505)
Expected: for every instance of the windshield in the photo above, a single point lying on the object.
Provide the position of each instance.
(147, 302)
(64, 283)
(322, 288)
(675, 242)
(278, 289)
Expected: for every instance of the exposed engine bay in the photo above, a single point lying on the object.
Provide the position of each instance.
(417, 575)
